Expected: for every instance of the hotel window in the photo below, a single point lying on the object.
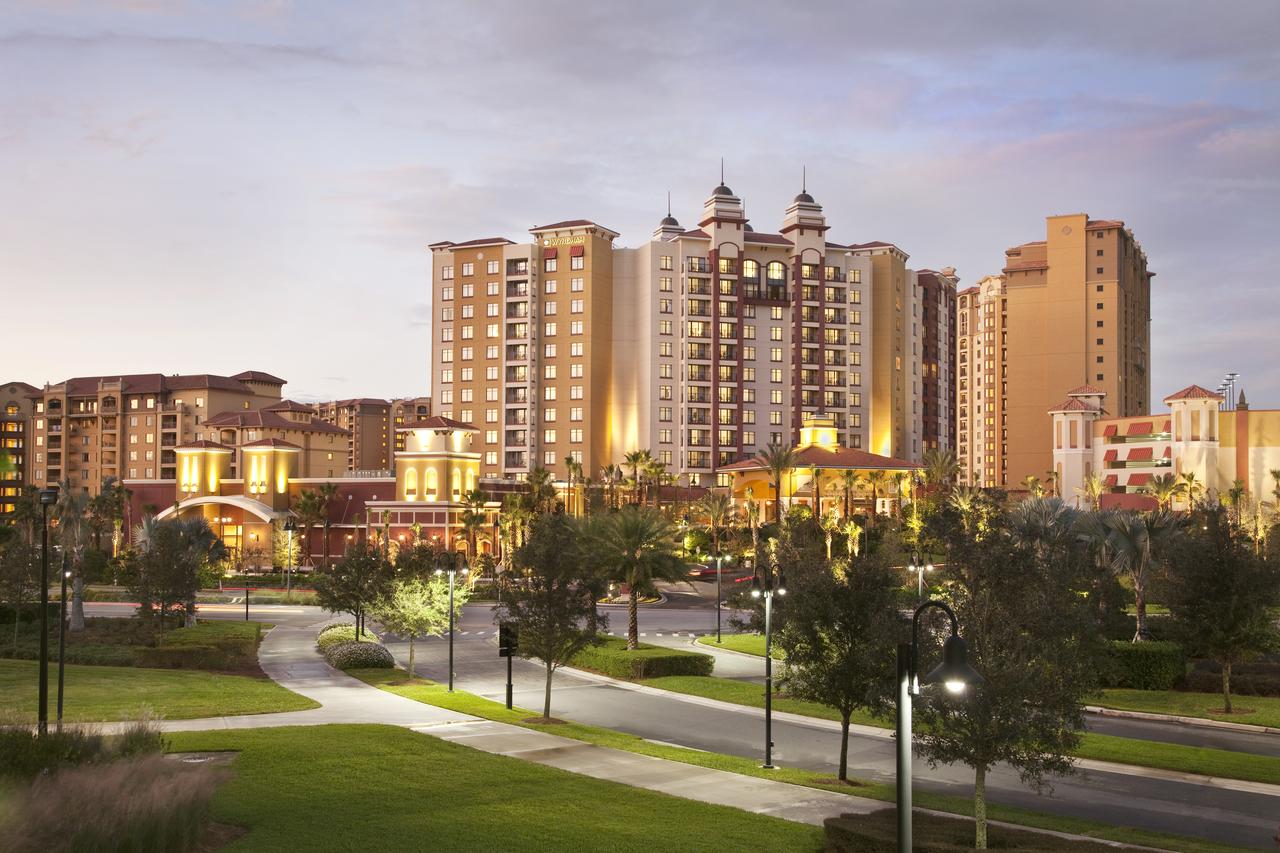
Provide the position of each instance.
(576, 262)
(468, 311)
(466, 395)
(855, 296)
(446, 314)
(664, 306)
(1099, 324)
(549, 265)
(446, 375)
(855, 318)
(1099, 270)
(1099, 376)
(1099, 340)
(549, 330)
(548, 457)
(750, 269)
(446, 273)
(575, 327)
(549, 392)
(664, 392)
(491, 394)
(664, 327)
(151, 402)
(575, 306)
(748, 374)
(491, 289)
(775, 396)
(855, 399)
(446, 397)
(575, 349)
(664, 262)
(775, 374)
(575, 371)
(466, 374)
(749, 353)
(575, 392)
(150, 473)
(575, 436)
(664, 349)
(549, 307)
(468, 332)
(549, 351)
(1099, 359)
(492, 267)
(549, 414)
(775, 313)
(491, 436)
(575, 414)
(468, 291)
(492, 331)
(491, 310)
(491, 351)
(775, 333)
(468, 268)
(664, 414)
(775, 418)
(664, 371)
(748, 395)
(549, 436)
(664, 284)
(491, 457)
(664, 436)
(775, 354)
(548, 371)
(133, 456)
(855, 358)
(748, 332)
(133, 402)
(749, 416)
(575, 285)
(549, 287)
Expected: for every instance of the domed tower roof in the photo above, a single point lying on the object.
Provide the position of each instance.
(669, 220)
(722, 190)
(805, 198)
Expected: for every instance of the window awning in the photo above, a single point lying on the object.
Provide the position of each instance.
(1109, 430)
(1139, 479)
(1167, 452)
(1140, 428)
(1110, 455)
(1110, 480)
(577, 251)
(1168, 425)
(1138, 453)
(549, 252)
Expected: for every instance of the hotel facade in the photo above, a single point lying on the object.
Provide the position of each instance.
(702, 345)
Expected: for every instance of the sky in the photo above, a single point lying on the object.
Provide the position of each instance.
(252, 184)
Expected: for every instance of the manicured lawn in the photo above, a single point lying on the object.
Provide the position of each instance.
(1264, 710)
(385, 788)
(467, 703)
(1166, 756)
(109, 693)
(748, 644)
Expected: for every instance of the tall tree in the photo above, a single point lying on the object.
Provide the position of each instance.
(1191, 487)
(553, 607)
(72, 514)
(473, 519)
(416, 607)
(328, 494)
(877, 480)
(940, 468)
(778, 462)
(1139, 543)
(1038, 648)
(717, 514)
(542, 490)
(1092, 490)
(636, 460)
(636, 546)
(354, 583)
(1220, 592)
(849, 483)
(1165, 488)
(838, 635)
(309, 508)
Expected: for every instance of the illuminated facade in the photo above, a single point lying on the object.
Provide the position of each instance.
(981, 396)
(16, 406)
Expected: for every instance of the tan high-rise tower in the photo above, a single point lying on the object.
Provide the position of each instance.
(1078, 313)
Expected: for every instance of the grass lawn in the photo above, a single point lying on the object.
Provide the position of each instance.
(749, 644)
(1166, 756)
(110, 693)
(468, 703)
(347, 787)
(1263, 710)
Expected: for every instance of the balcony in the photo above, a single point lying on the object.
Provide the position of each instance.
(517, 267)
(699, 352)
(517, 418)
(773, 291)
(517, 310)
(699, 287)
(699, 373)
(698, 394)
(516, 436)
(517, 289)
(699, 417)
(699, 308)
(517, 352)
(728, 266)
(516, 459)
(728, 352)
(517, 374)
(517, 395)
(697, 265)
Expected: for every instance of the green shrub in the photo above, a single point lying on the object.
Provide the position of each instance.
(28, 612)
(189, 656)
(24, 755)
(612, 658)
(1151, 665)
(335, 634)
(351, 655)
(143, 805)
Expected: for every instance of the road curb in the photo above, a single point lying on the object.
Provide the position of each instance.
(1201, 722)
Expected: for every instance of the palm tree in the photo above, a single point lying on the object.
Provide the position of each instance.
(877, 480)
(472, 518)
(1042, 524)
(901, 487)
(638, 547)
(1191, 487)
(1032, 485)
(106, 512)
(751, 515)
(611, 475)
(1164, 488)
(655, 472)
(1055, 481)
(717, 513)
(636, 460)
(201, 546)
(967, 501)
(1275, 491)
(542, 492)
(940, 468)
(853, 535)
(830, 524)
(1235, 497)
(850, 480)
(328, 494)
(1092, 490)
(778, 462)
(573, 476)
(1137, 542)
(309, 509)
(71, 511)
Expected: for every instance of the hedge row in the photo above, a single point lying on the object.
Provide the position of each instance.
(1151, 665)
(351, 655)
(612, 658)
(335, 634)
(28, 612)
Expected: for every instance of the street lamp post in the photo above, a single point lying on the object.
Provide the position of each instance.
(719, 596)
(290, 527)
(919, 567)
(62, 634)
(767, 590)
(954, 673)
(452, 571)
(48, 497)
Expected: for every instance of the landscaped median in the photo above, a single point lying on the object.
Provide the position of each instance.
(747, 644)
(612, 658)
(349, 787)
(435, 694)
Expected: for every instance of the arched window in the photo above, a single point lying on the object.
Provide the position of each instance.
(411, 484)
(750, 269)
(11, 409)
(471, 481)
(776, 271)
(457, 483)
(433, 485)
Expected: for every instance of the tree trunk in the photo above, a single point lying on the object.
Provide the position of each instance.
(77, 603)
(325, 545)
(633, 618)
(1140, 607)
(411, 657)
(546, 696)
(980, 808)
(844, 746)
(1226, 688)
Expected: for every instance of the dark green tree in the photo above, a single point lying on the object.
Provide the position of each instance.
(355, 583)
(1219, 592)
(636, 546)
(552, 604)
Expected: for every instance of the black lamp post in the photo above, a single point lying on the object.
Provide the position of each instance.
(62, 635)
(719, 595)
(290, 528)
(919, 567)
(954, 673)
(452, 571)
(48, 497)
(767, 589)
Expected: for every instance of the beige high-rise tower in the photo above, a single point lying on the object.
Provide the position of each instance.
(1078, 312)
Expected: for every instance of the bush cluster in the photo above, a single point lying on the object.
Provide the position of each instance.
(1151, 665)
(29, 612)
(335, 634)
(352, 655)
(24, 755)
(612, 658)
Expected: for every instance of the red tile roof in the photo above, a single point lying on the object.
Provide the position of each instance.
(1194, 392)
(1138, 454)
(758, 237)
(437, 422)
(1085, 389)
(1139, 428)
(874, 244)
(274, 442)
(570, 223)
(821, 457)
(204, 444)
(483, 241)
(1073, 404)
(697, 232)
(153, 383)
(21, 385)
(290, 406)
(270, 420)
(258, 376)
(1105, 223)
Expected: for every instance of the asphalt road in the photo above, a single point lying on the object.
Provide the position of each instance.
(1224, 815)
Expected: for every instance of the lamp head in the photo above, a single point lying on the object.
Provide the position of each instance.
(49, 496)
(290, 525)
(781, 588)
(954, 672)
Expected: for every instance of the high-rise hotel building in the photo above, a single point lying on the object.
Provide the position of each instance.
(1071, 310)
(702, 346)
